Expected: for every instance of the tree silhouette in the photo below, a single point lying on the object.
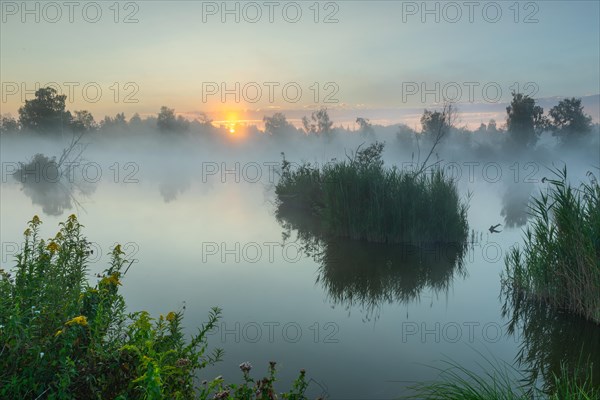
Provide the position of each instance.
(482, 129)
(167, 122)
(112, 124)
(434, 123)
(277, 125)
(319, 123)
(569, 120)
(366, 128)
(135, 121)
(525, 120)
(8, 125)
(491, 127)
(45, 113)
(83, 121)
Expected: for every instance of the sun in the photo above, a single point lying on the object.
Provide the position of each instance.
(232, 119)
(233, 125)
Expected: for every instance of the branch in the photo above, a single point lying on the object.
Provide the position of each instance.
(448, 115)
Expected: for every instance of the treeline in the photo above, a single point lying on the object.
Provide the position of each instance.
(525, 121)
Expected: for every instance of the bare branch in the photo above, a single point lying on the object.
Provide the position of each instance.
(446, 122)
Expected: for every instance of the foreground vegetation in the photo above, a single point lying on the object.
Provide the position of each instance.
(560, 262)
(363, 200)
(502, 381)
(63, 338)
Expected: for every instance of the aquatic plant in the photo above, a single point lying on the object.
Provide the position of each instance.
(559, 263)
(361, 199)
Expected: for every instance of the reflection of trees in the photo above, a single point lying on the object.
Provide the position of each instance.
(173, 187)
(369, 275)
(176, 178)
(551, 337)
(515, 205)
(51, 185)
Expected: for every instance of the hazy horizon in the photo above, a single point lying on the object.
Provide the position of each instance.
(404, 55)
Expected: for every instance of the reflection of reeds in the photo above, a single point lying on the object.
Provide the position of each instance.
(557, 275)
(553, 343)
(560, 262)
(368, 275)
(371, 274)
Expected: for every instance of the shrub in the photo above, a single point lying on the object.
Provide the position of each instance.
(62, 338)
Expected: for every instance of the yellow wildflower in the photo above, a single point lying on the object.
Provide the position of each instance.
(170, 316)
(58, 333)
(58, 236)
(53, 247)
(27, 232)
(111, 280)
(81, 320)
(72, 218)
(117, 250)
(35, 220)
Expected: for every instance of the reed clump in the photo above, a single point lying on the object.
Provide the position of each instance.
(559, 263)
(502, 381)
(361, 199)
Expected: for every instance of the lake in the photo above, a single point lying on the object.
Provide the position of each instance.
(364, 320)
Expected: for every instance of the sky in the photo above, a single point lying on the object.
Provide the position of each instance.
(350, 56)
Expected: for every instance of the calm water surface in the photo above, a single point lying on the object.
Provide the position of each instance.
(365, 321)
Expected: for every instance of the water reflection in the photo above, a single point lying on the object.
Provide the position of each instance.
(515, 205)
(173, 187)
(551, 338)
(51, 185)
(369, 275)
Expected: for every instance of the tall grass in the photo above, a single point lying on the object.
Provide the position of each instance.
(501, 381)
(363, 200)
(560, 261)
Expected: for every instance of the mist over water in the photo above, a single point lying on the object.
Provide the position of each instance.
(197, 212)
